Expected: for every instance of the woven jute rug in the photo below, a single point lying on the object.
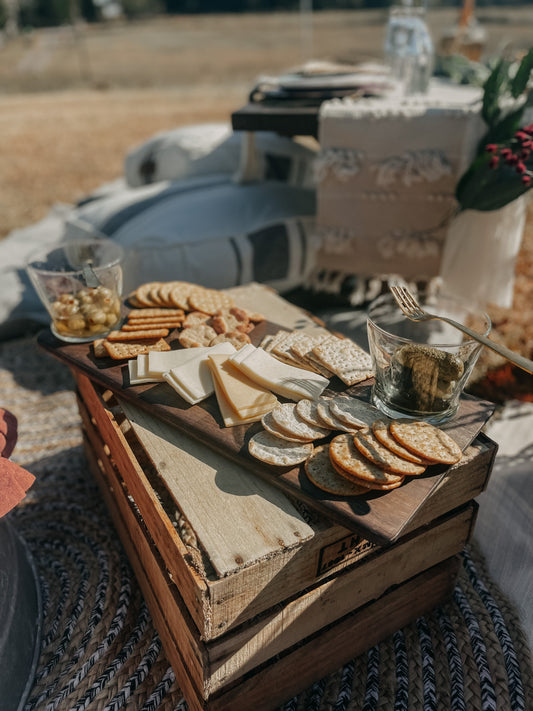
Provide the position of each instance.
(100, 650)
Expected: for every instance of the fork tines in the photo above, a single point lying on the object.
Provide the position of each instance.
(405, 300)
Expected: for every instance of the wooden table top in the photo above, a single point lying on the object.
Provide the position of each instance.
(380, 518)
(283, 118)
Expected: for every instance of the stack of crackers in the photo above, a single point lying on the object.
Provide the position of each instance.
(370, 454)
(199, 316)
(325, 354)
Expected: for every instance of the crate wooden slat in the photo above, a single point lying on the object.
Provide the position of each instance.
(213, 668)
(221, 603)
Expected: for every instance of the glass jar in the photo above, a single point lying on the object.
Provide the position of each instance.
(409, 50)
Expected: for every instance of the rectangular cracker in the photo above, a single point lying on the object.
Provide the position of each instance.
(345, 359)
(155, 312)
(155, 319)
(137, 335)
(147, 326)
(99, 348)
(120, 350)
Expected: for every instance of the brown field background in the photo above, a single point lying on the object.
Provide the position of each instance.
(74, 101)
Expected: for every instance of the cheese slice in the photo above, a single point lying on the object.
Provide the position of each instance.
(192, 379)
(246, 397)
(141, 365)
(228, 415)
(243, 353)
(175, 384)
(285, 380)
(133, 373)
(171, 359)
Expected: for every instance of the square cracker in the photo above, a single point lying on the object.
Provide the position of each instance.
(345, 359)
(121, 350)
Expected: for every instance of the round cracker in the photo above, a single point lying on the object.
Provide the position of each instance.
(345, 454)
(180, 292)
(322, 474)
(271, 449)
(145, 293)
(210, 300)
(236, 338)
(368, 485)
(134, 301)
(270, 426)
(288, 420)
(371, 448)
(426, 440)
(353, 412)
(329, 419)
(195, 318)
(165, 291)
(233, 319)
(196, 336)
(308, 411)
(380, 428)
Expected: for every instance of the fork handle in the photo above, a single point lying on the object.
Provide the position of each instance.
(513, 357)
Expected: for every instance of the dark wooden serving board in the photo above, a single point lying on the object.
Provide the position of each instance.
(380, 517)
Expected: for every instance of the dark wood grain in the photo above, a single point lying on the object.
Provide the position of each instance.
(380, 517)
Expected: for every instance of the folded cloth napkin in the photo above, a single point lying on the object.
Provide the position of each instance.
(14, 480)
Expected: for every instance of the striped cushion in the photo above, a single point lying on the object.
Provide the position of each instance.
(208, 230)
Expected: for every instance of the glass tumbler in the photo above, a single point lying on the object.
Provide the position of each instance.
(80, 284)
(421, 368)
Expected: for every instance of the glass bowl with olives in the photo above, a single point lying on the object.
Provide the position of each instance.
(80, 283)
(421, 368)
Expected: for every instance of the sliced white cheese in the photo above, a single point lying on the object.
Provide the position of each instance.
(193, 378)
(242, 353)
(281, 378)
(228, 415)
(176, 385)
(134, 375)
(160, 362)
(246, 397)
(141, 365)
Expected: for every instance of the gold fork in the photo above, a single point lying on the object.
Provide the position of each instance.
(412, 309)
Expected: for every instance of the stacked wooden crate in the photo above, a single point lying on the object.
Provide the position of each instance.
(257, 585)
(253, 594)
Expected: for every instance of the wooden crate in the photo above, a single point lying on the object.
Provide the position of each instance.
(253, 620)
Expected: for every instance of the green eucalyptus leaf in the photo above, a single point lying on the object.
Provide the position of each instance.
(521, 78)
(483, 188)
(493, 87)
(505, 129)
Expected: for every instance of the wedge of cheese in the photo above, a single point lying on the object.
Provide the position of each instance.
(193, 379)
(245, 397)
(281, 378)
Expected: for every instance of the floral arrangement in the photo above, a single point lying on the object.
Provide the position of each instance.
(503, 167)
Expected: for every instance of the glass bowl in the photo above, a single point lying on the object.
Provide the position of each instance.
(80, 284)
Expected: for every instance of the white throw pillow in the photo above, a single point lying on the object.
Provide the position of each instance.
(210, 148)
(208, 230)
